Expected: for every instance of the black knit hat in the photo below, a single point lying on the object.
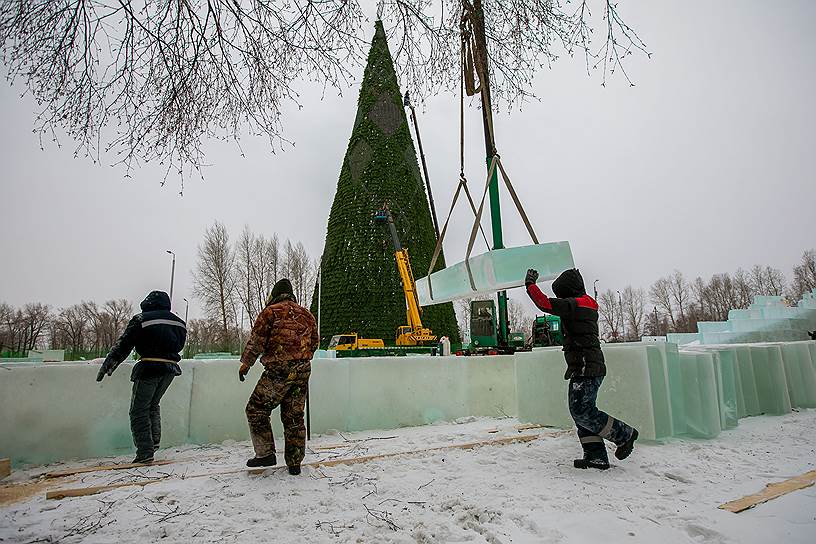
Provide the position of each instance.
(282, 287)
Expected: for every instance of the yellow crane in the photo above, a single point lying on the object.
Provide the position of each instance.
(414, 333)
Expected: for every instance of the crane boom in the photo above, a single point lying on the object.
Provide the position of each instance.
(413, 333)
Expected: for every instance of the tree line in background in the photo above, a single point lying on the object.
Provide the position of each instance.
(233, 280)
(675, 303)
(84, 330)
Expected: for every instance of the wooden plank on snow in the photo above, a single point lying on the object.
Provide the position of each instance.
(771, 491)
(100, 468)
(5, 467)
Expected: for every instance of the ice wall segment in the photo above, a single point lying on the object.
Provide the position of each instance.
(57, 411)
(766, 320)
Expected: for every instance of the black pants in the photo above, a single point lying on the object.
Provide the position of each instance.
(145, 415)
(593, 424)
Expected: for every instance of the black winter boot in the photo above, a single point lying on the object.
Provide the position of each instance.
(625, 449)
(294, 470)
(600, 464)
(594, 457)
(143, 459)
(268, 461)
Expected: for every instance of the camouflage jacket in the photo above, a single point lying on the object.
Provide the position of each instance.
(284, 331)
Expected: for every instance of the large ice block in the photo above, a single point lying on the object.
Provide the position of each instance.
(701, 396)
(59, 411)
(489, 385)
(726, 375)
(800, 374)
(391, 392)
(494, 271)
(217, 405)
(682, 338)
(745, 368)
(661, 391)
(541, 389)
(771, 384)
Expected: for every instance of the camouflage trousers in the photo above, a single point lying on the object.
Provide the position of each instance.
(284, 385)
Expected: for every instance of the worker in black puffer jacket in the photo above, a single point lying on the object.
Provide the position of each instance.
(585, 367)
(158, 335)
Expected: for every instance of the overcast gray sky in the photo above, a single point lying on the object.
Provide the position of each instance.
(706, 165)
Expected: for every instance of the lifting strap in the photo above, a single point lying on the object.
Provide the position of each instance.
(467, 84)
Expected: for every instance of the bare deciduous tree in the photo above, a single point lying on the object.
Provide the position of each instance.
(214, 280)
(151, 80)
(611, 316)
(660, 295)
(804, 275)
(518, 319)
(766, 280)
(297, 266)
(634, 301)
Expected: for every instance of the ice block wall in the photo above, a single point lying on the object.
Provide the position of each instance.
(57, 411)
(696, 391)
(768, 319)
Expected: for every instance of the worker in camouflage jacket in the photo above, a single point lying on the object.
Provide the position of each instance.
(585, 367)
(285, 336)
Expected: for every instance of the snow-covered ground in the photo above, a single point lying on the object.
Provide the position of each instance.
(521, 492)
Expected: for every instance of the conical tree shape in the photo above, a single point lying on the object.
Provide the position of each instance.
(361, 290)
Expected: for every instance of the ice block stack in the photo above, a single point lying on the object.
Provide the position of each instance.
(766, 320)
(664, 391)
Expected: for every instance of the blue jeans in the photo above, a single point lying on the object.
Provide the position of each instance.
(594, 425)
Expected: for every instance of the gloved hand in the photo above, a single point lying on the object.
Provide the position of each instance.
(105, 368)
(243, 371)
(532, 276)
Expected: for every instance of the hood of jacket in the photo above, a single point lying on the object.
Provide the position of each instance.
(156, 300)
(569, 284)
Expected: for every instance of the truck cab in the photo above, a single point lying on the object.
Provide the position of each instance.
(343, 342)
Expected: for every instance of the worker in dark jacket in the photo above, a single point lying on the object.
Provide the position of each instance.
(585, 367)
(158, 336)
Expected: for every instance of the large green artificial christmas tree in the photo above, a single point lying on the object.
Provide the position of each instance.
(361, 290)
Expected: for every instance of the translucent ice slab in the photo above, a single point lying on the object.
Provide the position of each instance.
(729, 385)
(635, 388)
(745, 368)
(701, 396)
(541, 389)
(771, 384)
(800, 374)
(682, 338)
(494, 271)
(59, 411)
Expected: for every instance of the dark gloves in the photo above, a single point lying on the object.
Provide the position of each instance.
(243, 371)
(532, 276)
(107, 367)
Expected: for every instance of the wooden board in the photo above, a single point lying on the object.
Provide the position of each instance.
(83, 491)
(5, 467)
(771, 491)
(99, 468)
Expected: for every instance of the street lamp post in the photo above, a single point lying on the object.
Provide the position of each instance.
(172, 275)
(186, 309)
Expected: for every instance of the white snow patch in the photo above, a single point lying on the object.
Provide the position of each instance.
(520, 493)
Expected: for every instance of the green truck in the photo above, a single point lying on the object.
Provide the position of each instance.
(547, 331)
